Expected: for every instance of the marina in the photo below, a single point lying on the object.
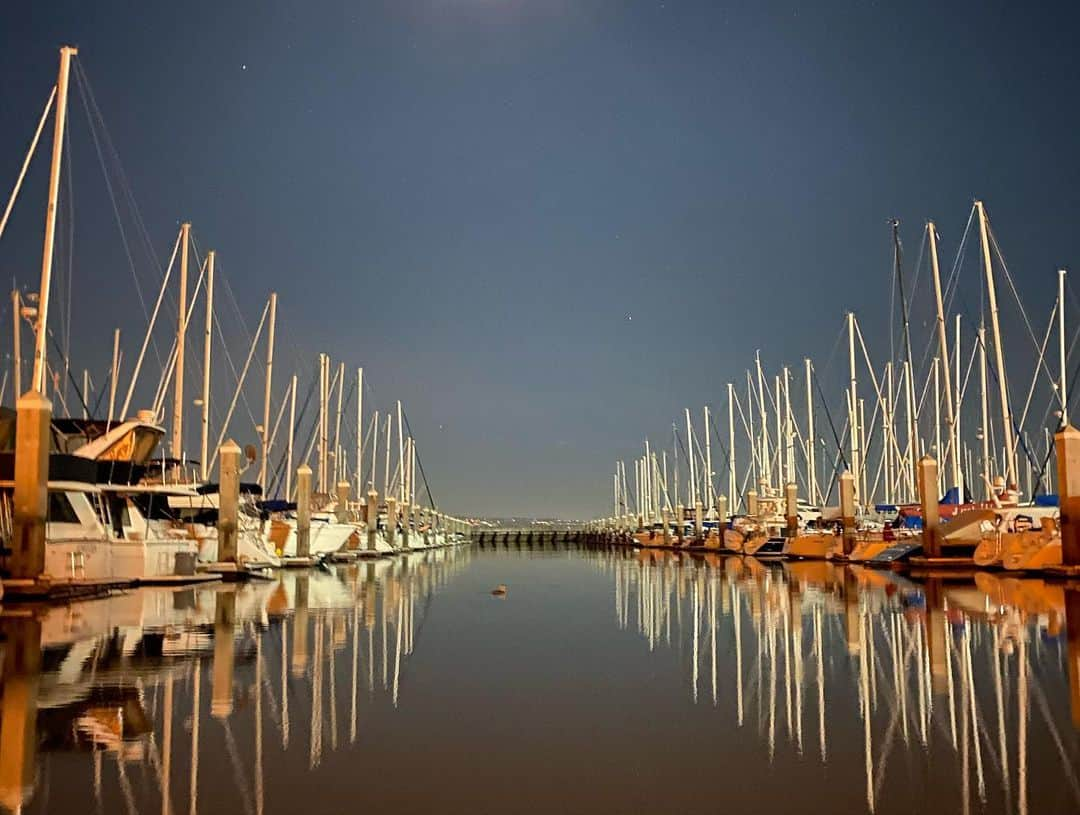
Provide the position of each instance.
(473, 407)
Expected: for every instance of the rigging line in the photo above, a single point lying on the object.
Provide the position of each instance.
(828, 415)
(1018, 433)
(239, 387)
(1068, 398)
(1042, 355)
(1016, 296)
(419, 462)
(86, 96)
(26, 161)
(125, 187)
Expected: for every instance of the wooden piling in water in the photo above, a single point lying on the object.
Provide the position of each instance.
(1067, 443)
(847, 509)
(228, 501)
(928, 497)
(32, 435)
(303, 511)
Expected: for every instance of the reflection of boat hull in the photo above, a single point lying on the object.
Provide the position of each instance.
(813, 547)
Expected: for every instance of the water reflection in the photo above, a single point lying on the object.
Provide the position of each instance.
(856, 690)
(968, 683)
(124, 679)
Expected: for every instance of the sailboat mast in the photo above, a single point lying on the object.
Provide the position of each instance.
(339, 463)
(710, 496)
(16, 319)
(41, 326)
(984, 431)
(853, 405)
(266, 393)
(952, 447)
(359, 431)
(181, 342)
(292, 431)
(811, 453)
(909, 362)
(731, 446)
(208, 341)
(999, 355)
(1063, 393)
(114, 372)
(401, 449)
(690, 457)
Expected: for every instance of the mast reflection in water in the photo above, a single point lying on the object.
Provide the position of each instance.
(403, 685)
(969, 683)
(179, 699)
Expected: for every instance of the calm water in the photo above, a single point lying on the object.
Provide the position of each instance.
(601, 683)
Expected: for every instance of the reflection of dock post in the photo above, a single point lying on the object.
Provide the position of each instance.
(852, 624)
(1067, 442)
(300, 627)
(791, 509)
(32, 433)
(303, 511)
(936, 631)
(221, 694)
(372, 509)
(229, 501)
(18, 709)
(847, 509)
(1072, 633)
(928, 481)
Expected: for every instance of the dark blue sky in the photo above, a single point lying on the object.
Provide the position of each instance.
(471, 197)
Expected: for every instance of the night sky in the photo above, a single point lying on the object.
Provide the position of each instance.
(547, 225)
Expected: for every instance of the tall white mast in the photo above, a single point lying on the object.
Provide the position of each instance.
(339, 463)
(958, 406)
(41, 327)
(374, 450)
(984, 431)
(401, 449)
(615, 475)
(266, 394)
(359, 431)
(952, 447)
(789, 427)
(999, 355)
(208, 341)
(690, 456)
(733, 502)
(1064, 394)
(16, 354)
(386, 457)
(181, 343)
(114, 372)
(322, 423)
(811, 453)
(710, 497)
(292, 431)
(853, 407)
(766, 464)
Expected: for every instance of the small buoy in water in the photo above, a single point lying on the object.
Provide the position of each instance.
(500, 590)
